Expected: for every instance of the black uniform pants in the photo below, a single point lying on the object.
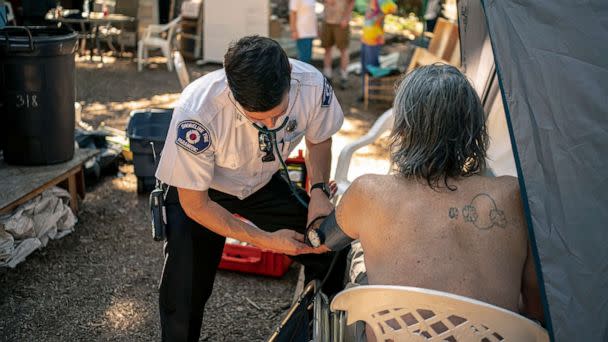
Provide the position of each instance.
(192, 253)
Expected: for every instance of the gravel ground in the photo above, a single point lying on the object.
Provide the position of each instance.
(100, 283)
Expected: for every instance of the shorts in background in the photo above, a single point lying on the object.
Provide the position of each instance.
(333, 34)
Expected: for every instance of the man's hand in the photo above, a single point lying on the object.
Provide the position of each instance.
(319, 205)
(344, 23)
(289, 242)
(294, 35)
(333, 188)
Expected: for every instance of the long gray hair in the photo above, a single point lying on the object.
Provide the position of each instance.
(439, 129)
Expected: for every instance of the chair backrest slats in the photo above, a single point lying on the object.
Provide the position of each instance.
(402, 313)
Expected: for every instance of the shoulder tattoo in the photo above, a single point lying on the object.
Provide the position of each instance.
(482, 212)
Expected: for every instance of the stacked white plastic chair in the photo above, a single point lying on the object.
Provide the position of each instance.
(157, 37)
(382, 124)
(10, 15)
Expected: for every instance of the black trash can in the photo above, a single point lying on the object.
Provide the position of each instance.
(147, 127)
(37, 94)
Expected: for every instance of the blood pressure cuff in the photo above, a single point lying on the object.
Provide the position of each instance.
(332, 235)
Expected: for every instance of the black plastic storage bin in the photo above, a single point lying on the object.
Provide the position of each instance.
(37, 94)
(146, 127)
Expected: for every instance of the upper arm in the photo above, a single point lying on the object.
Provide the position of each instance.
(530, 291)
(351, 209)
(326, 117)
(188, 157)
(310, 144)
(193, 200)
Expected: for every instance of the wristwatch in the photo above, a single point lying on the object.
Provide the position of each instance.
(323, 186)
(314, 237)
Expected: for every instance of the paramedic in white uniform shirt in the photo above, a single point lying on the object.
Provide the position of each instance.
(217, 164)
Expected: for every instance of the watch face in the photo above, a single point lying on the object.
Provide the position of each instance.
(313, 238)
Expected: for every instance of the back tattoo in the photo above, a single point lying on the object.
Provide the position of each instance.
(482, 212)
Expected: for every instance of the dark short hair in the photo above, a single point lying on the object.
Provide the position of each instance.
(258, 73)
(439, 129)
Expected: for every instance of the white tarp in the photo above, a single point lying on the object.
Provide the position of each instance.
(31, 225)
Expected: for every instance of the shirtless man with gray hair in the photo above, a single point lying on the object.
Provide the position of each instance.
(437, 223)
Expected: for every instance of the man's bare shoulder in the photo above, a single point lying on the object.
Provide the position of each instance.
(364, 203)
(373, 184)
(506, 186)
(366, 191)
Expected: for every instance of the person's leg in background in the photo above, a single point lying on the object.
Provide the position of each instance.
(3, 15)
(370, 55)
(342, 42)
(343, 65)
(327, 42)
(430, 24)
(304, 46)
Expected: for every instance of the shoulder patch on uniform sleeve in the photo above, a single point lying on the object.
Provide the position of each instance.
(327, 93)
(192, 136)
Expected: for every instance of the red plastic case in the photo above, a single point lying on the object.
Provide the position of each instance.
(251, 259)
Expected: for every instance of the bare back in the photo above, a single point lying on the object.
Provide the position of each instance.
(471, 241)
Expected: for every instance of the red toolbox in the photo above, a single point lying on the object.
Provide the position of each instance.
(251, 259)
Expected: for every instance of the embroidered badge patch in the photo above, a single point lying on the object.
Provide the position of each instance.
(192, 136)
(327, 93)
(291, 125)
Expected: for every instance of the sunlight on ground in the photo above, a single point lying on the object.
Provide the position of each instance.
(85, 61)
(124, 314)
(163, 100)
(123, 183)
(98, 113)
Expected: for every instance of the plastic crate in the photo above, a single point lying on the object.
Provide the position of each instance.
(145, 127)
(251, 259)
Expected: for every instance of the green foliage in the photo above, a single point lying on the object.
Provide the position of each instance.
(404, 7)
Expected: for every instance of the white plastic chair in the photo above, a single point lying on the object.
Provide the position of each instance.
(157, 37)
(180, 69)
(10, 15)
(382, 124)
(400, 313)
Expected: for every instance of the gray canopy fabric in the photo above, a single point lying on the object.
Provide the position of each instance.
(551, 61)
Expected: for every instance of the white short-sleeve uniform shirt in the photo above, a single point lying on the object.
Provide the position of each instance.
(306, 18)
(210, 144)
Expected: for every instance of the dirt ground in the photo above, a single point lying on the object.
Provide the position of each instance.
(100, 283)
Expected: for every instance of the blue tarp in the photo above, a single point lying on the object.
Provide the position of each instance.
(551, 61)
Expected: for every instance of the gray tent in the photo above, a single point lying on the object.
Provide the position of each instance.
(542, 70)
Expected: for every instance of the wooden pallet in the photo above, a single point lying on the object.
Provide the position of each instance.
(19, 184)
